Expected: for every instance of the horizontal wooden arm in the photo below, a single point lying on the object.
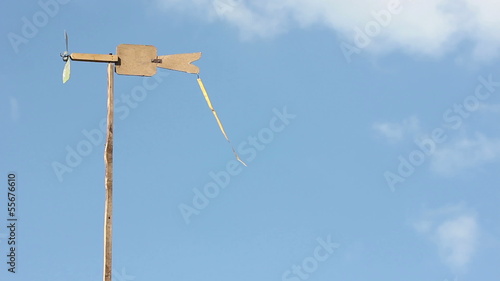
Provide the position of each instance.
(93, 57)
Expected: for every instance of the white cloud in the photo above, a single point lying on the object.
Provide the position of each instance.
(430, 27)
(395, 132)
(456, 239)
(455, 232)
(464, 153)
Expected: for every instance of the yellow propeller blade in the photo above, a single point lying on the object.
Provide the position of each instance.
(205, 94)
(66, 71)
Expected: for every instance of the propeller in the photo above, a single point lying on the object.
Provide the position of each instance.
(66, 57)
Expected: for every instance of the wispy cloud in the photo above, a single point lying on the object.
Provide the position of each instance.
(397, 131)
(456, 239)
(430, 27)
(464, 153)
(455, 232)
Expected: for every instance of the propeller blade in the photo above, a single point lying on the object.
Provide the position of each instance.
(66, 39)
(66, 71)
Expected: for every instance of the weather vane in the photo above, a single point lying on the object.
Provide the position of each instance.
(138, 60)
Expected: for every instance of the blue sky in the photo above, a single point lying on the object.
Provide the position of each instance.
(369, 129)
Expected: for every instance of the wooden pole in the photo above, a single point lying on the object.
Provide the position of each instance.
(108, 180)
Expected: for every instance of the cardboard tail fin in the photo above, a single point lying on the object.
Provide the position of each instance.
(180, 62)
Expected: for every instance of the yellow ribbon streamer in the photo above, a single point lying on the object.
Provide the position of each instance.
(205, 94)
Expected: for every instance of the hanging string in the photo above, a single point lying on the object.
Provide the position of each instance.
(205, 94)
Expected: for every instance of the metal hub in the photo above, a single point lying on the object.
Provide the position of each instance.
(64, 57)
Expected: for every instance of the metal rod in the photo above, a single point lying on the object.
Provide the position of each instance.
(108, 181)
